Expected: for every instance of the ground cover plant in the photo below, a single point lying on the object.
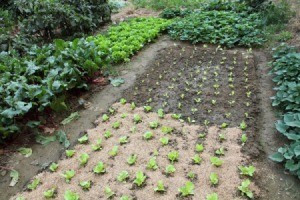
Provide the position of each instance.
(285, 68)
(144, 168)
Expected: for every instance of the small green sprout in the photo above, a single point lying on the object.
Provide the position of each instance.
(69, 195)
(197, 100)
(224, 125)
(111, 111)
(33, 185)
(173, 156)
(147, 108)
(123, 101)
(68, 175)
(243, 125)
(164, 140)
(116, 125)
(125, 197)
(84, 139)
(86, 185)
(83, 159)
(70, 153)
(216, 161)
(244, 139)
(220, 151)
(107, 134)
(109, 193)
(49, 194)
(170, 169)
(222, 137)
(132, 106)
(176, 116)
(123, 140)
(152, 164)
(53, 167)
(187, 190)
(137, 118)
(245, 190)
(213, 196)
(99, 168)
(160, 113)
(123, 176)
(132, 159)
(166, 129)
(227, 115)
(139, 179)
(206, 122)
(133, 129)
(154, 124)
(191, 175)
(196, 159)
(199, 148)
(160, 187)
(98, 145)
(213, 102)
(124, 115)
(248, 171)
(214, 179)
(148, 135)
(105, 117)
(114, 151)
(202, 135)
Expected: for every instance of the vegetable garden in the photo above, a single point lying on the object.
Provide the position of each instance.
(187, 128)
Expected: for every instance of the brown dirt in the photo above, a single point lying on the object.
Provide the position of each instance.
(186, 137)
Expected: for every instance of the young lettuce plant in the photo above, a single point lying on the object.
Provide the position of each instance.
(125, 197)
(154, 124)
(114, 151)
(170, 169)
(199, 148)
(191, 175)
(123, 140)
(99, 168)
(213, 196)
(160, 113)
(173, 156)
(220, 151)
(69, 195)
(216, 161)
(244, 139)
(243, 125)
(164, 141)
(196, 159)
(148, 135)
(84, 139)
(176, 116)
(116, 125)
(50, 194)
(139, 179)
(123, 101)
(132, 159)
(187, 189)
(152, 164)
(132, 106)
(68, 175)
(245, 190)
(83, 159)
(107, 134)
(160, 187)
(222, 137)
(214, 179)
(147, 109)
(105, 117)
(85, 185)
(137, 118)
(166, 129)
(109, 193)
(97, 146)
(123, 176)
(33, 185)
(70, 153)
(53, 167)
(248, 171)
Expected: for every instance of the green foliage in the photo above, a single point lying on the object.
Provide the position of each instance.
(139, 179)
(105, 117)
(220, 151)
(244, 139)
(84, 139)
(33, 185)
(170, 169)
(213, 196)
(53, 167)
(187, 190)
(164, 140)
(83, 159)
(245, 190)
(137, 118)
(132, 159)
(99, 168)
(116, 125)
(173, 156)
(147, 108)
(152, 164)
(69, 195)
(216, 161)
(227, 28)
(160, 187)
(107, 134)
(243, 125)
(109, 193)
(249, 171)
(114, 151)
(162, 4)
(148, 135)
(70, 153)
(154, 124)
(98, 145)
(213, 177)
(161, 113)
(196, 159)
(167, 129)
(49, 194)
(170, 13)
(123, 140)
(123, 176)
(68, 175)
(85, 185)
(199, 148)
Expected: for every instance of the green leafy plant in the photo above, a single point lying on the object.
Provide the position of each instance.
(116, 125)
(199, 148)
(98, 145)
(213, 196)
(154, 124)
(249, 171)
(166, 129)
(84, 139)
(170, 169)
(147, 108)
(125, 197)
(114, 151)
(69, 195)
(70, 153)
(132, 159)
(123, 140)
(173, 156)
(123, 101)
(176, 116)
(123, 176)
(137, 118)
(33, 185)
(152, 164)
(196, 159)
(85, 185)
(139, 179)
(109, 193)
(148, 135)
(83, 159)
(216, 161)
(160, 113)
(187, 190)
(53, 167)
(68, 175)
(191, 175)
(105, 117)
(245, 190)
(222, 137)
(214, 179)
(164, 140)
(244, 139)
(99, 168)
(160, 187)
(48, 194)
(220, 151)
(107, 134)
(243, 125)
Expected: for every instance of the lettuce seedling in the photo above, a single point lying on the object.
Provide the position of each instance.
(137, 118)
(123, 101)
(245, 190)
(187, 190)
(170, 169)
(99, 168)
(213, 196)
(248, 171)
(124, 115)
(243, 125)
(123, 176)
(164, 140)
(111, 111)
(123, 140)
(202, 135)
(86, 185)
(213, 102)
(152, 164)
(160, 113)
(139, 179)
(148, 135)
(154, 124)
(84, 139)
(222, 137)
(213, 177)
(53, 167)
(132, 106)
(98, 145)
(49, 194)
(107, 134)
(109, 193)
(166, 129)
(216, 161)
(33, 185)
(69, 195)
(132, 159)
(173, 156)
(199, 148)
(176, 116)
(160, 187)
(116, 125)
(196, 159)
(68, 175)
(70, 153)
(125, 197)
(224, 125)
(191, 175)
(83, 159)
(220, 151)
(114, 151)
(105, 117)
(244, 139)
(147, 108)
